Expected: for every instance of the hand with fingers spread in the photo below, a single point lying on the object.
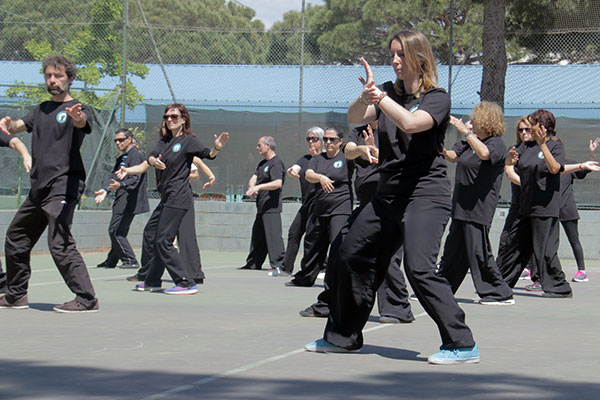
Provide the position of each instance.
(371, 94)
(75, 113)
(100, 196)
(593, 146)
(369, 137)
(294, 172)
(591, 166)
(461, 127)
(221, 140)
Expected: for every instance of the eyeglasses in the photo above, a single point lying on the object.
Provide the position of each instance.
(174, 117)
(331, 139)
(312, 139)
(119, 140)
(524, 129)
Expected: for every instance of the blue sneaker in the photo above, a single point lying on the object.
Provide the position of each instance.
(141, 287)
(467, 355)
(182, 290)
(323, 346)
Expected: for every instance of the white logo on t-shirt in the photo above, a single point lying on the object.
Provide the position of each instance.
(338, 164)
(541, 155)
(61, 117)
(176, 147)
(266, 169)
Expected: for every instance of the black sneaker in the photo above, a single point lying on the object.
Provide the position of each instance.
(134, 278)
(384, 319)
(310, 312)
(74, 306)
(104, 264)
(252, 267)
(558, 295)
(19, 304)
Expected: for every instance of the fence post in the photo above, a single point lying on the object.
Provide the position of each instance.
(124, 68)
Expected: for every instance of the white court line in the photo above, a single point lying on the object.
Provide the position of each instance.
(250, 366)
(104, 277)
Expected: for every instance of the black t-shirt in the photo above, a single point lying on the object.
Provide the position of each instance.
(515, 193)
(307, 189)
(173, 182)
(477, 182)
(5, 139)
(269, 201)
(568, 207)
(131, 196)
(412, 165)
(540, 190)
(366, 172)
(55, 146)
(339, 170)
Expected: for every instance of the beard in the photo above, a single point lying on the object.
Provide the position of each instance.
(55, 91)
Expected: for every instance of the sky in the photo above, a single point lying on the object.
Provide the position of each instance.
(271, 11)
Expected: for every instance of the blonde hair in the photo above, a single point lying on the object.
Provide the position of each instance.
(525, 121)
(489, 118)
(419, 58)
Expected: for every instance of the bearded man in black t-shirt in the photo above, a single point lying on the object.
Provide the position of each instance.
(58, 128)
(265, 184)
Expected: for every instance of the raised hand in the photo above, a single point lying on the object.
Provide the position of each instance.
(539, 133)
(594, 144)
(5, 124)
(512, 157)
(75, 112)
(121, 173)
(221, 140)
(368, 135)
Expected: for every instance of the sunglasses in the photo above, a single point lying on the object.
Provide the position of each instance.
(119, 140)
(331, 139)
(312, 139)
(173, 117)
(524, 129)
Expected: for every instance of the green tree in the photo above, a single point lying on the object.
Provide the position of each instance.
(96, 49)
(206, 32)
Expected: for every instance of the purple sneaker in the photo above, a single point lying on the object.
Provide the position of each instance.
(182, 290)
(141, 287)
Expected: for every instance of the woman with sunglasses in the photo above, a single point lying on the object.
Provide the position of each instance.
(480, 166)
(331, 173)
(410, 209)
(538, 165)
(172, 158)
(512, 258)
(314, 140)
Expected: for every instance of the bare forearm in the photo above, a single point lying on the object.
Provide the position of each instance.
(139, 169)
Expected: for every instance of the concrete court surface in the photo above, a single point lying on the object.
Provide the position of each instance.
(241, 338)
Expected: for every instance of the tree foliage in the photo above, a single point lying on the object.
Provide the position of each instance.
(96, 49)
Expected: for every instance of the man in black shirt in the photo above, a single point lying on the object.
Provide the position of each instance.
(131, 198)
(58, 128)
(265, 185)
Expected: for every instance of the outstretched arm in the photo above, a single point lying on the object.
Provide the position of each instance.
(10, 127)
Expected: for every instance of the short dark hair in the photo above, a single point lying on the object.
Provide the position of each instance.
(124, 131)
(336, 129)
(545, 118)
(60, 61)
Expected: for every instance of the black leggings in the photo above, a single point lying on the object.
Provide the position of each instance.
(572, 233)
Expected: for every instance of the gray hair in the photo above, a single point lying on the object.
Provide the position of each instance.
(318, 132)
(270, 141)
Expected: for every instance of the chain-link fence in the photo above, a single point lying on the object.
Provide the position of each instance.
(250, 81)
